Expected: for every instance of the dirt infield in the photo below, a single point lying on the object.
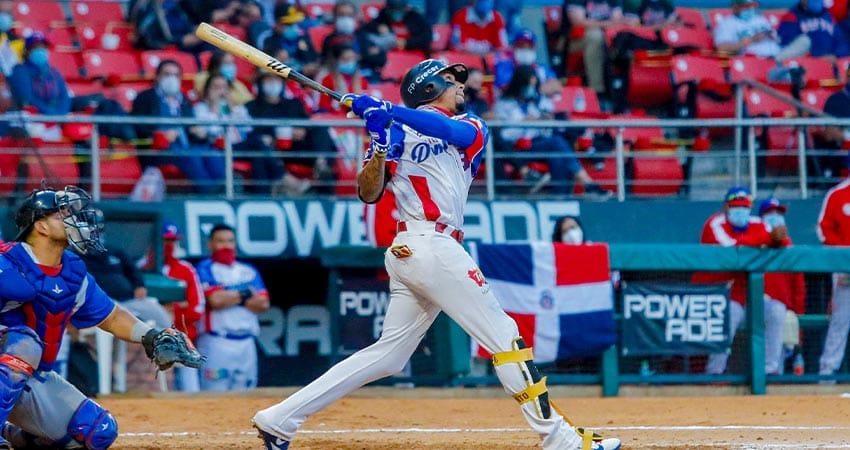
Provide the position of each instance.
(388, 418)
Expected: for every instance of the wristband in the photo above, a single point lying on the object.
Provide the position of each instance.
(244, 295)
(139, 330)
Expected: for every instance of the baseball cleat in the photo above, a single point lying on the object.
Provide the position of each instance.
(607, 444)
(270, 441)
(4, 444)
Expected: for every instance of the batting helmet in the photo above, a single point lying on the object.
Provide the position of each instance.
(83, 224)
(423, 82)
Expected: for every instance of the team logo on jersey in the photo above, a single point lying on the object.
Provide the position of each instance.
(57, 290)
(476, 276)
(421, 151)
(401, 251)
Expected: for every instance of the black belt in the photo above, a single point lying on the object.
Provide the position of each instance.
(235, 337)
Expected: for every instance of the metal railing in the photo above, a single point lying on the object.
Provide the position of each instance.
(744, 154)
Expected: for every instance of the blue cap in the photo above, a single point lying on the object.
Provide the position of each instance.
(37, 37)
(772, 204)
(739, 196)
(524, 35)
(170, 230)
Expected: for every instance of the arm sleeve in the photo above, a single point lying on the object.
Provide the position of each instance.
(20, 86)
(143, 106)
(257, 283)
(96, 307)
(842, 48)
(459, 133)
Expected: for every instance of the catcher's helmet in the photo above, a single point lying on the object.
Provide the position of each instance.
(83, 224)
(423, 82)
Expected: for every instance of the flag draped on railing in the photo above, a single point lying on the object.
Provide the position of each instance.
(560, 295)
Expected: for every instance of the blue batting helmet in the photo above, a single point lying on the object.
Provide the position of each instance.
(423, 83)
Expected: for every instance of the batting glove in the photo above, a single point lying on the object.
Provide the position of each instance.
(378, 124)
(361, 103)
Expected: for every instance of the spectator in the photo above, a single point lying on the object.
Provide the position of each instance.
(249, 17)
(587, 20)
(164, 23)
(273, 102)
(397, 27)
(343, 75)
(122, 281)
(11, 46)
(478, 29)
(289, 34)
(834, 230)
(345, 22)
(810, 18)
(476, 95)
(224, 63)
(782, 292)
(521, 102)
(524, 53)
(747, 31)
(734, 226)
(235, 295)
(834, 138)
(568, 230)
(511, 11)
(294, 90)
(188, 312)
(212, 11)
(434, 10)
(35, 84)
(165, 100)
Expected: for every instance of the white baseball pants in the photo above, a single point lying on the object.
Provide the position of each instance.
(774, 325)
(839, 325)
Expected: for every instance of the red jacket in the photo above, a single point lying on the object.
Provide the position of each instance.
(834, 219)
(473, 37)
(188, 313)
(717, 231)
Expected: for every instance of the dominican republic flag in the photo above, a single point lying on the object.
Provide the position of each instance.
(560, 295)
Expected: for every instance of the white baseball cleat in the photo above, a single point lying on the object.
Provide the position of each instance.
(607, 444)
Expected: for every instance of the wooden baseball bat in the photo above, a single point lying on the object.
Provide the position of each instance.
(255, 56)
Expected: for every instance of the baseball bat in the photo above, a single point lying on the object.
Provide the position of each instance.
(255, 56)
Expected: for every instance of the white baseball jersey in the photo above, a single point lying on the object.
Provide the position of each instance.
(431, 177)
(235, 320)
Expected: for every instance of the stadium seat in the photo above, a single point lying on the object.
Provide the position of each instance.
(96, 11)
(656, 175)
(54, 162)
(68, 64)
(692, 17)
(612, 31)
(151, 58)
(371, 10)
(552, 18)
(63, 38)
(687, 37)
(124, 35)
(10, 157)
(119, 171)
(707, 76)
(233, 30)
(578, 101)
(470, 60)
(441, 33)
(750, 68)
(320, 10)
(815, 98)
(102, 63)
(819, 71)
(90, 35)
(760, 104)
(398, 63)
(842, 65)
(317, 35)
(603, 171)
(650, 138)
(125, 93)
(83, 88)
(388, 91)
(39, 11)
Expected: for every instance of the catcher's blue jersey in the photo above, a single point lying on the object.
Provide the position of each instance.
(45, 302)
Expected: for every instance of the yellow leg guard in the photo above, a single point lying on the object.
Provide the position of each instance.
(535, 384)
(532, 392)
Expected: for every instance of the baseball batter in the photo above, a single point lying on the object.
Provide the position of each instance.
(43, 287)
(429, 152)
(235, 294)
(834, 229)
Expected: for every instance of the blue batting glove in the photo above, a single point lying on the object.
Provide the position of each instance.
(377, 123)
(363, 102)
(348, 99)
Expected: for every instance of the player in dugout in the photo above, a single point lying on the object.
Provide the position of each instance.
(429, 152)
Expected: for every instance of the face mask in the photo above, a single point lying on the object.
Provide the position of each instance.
(170, 85)
(291, 32)
(572, 236)
(747, 14)
(228, 71)
(345, 25)
(815, 6)
(40, 56)
(525, 56)
(397, 15)
(6, 21)
(272, 89)
(483, 7)
(226, 256)
(348, 67)
(774, 219)
(739, 217)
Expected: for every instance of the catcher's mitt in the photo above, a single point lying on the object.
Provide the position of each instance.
(169, 346)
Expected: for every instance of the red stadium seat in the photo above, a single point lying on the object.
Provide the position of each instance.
(371, 10)
(815, 98)
(121, 36)
(102, 63)
(398, 63)
(233, 30)
(10, 157)
(470, 60)
(63, 38)
(750, 68)
(125, 93)
(577, 101)
(53, 162)
(687, 37)
(656, 176)
(705, 75)
(68, 64)
(96, 11)
(151, 58)
(441, 34)
(761, 104)
(552, 18)
(82, 88)
(119, 171)
(90, 35)
(320, 10)
(603, 173)
(819, 71)
(692, 17)
(644, 32)
(842, 65)
(646, 70)
(388, 91)
(39, 11)
(317, 35)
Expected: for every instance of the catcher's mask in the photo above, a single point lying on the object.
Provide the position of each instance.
(83, 224)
